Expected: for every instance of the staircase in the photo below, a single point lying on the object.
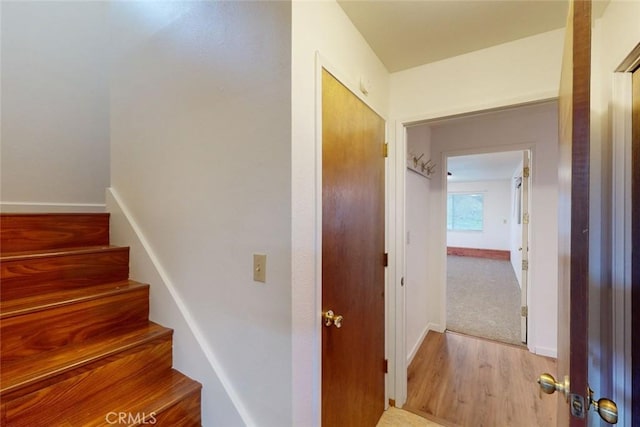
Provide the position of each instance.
(76, 344)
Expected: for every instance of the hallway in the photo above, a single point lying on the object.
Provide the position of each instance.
(466, 381)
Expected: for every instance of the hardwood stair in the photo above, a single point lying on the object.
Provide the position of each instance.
(76, 344)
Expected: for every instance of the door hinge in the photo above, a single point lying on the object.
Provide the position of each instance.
(385, 149)
(385, 366)
(526, 172)
(385, 259)
(524, 311)
(525, 265)
(525, 218)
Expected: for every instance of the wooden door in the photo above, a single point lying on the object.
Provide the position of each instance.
(353, 198)
(573, 225)
(635, 251)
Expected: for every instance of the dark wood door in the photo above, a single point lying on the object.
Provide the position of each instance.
(573, 226)
(353, 138)
(635, 252)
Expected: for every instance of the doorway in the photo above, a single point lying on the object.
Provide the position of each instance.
(531, 127)
(487, 245)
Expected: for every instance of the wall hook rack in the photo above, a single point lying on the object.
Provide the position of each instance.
(419, 166)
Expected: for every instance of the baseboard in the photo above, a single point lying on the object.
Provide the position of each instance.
(430, 327)
(545, 351)
(38, 207)
(130, 231)
(480, 253)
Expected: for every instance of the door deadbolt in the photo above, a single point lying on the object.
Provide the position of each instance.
(606, 408)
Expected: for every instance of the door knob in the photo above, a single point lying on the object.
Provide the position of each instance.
(330, 318)
(606, 408)
(549, 385)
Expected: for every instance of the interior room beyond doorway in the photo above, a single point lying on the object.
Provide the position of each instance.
(487, 233)
(516, 129)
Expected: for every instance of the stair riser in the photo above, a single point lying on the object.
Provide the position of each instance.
(185, 413)
(32, 333)
(28, 277)
(20, 232)
(60, 403)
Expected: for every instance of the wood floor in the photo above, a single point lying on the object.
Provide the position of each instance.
(467, 381)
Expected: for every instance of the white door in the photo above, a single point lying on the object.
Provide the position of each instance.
(524, 200)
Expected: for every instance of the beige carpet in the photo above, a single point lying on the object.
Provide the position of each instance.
(394, 417)
(483, 298)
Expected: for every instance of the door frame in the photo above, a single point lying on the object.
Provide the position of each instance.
(621, 127)
(526, 277)
(321, 63)
(396, 338)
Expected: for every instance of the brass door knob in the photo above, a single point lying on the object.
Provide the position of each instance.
(549, 385)
(606, 408)
(330, 318)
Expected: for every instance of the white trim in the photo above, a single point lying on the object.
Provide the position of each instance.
(621, 128)
(397, 295)
(473, 110)
(430, 327)
(196, 330)
(47, 207)
(416, 347)
(323, 63)
(545, 351)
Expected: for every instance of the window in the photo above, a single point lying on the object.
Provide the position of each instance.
(465, 211)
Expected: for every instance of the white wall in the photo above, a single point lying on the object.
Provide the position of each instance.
(200, 158)
(615, 35)
(55, 105)
(496, 230)
(318, 26)
(419, 302)
(535, 127)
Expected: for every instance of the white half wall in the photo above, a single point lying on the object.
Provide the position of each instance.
(496, 230)
(201, 158)
(319, 27)
(55, 105)
(420, 303)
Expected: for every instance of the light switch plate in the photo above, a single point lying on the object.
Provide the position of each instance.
(260, 268)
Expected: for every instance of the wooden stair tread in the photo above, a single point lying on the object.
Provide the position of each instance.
(47, 253)
(50, 300)
(77, 343)
(137, 398)
(14, 376)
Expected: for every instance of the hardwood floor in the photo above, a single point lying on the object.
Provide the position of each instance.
(468, 381)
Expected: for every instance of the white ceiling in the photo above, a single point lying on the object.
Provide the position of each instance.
(483, 167)
(405, 34)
